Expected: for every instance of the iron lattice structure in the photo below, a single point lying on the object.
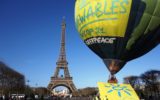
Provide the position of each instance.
(62, 64)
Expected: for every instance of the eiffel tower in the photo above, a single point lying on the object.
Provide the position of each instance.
(62, 64)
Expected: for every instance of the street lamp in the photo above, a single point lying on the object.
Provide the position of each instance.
(27, 87)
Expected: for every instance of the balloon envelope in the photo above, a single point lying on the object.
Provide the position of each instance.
(118, 30)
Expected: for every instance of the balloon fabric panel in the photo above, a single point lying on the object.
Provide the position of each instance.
(145, 36)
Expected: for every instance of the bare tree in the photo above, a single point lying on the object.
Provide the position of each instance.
(11, 81)
(152, 82)
(131, 80)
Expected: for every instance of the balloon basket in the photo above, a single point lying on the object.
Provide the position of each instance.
(112, 79)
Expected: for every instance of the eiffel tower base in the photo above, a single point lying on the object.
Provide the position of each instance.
(66, 82)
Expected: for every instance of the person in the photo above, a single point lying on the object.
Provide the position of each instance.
(1, 98)
(70, 96)
(97, 97)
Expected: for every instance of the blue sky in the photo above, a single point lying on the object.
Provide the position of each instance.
(30, 41)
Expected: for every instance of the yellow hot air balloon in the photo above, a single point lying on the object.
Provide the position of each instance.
(118, 30)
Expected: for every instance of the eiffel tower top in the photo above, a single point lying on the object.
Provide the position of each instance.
(62, 56)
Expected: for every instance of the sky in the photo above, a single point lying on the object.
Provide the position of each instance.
(30, 32)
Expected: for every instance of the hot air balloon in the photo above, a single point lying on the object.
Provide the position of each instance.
(118, 30)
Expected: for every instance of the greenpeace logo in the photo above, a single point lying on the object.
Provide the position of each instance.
(100, 40)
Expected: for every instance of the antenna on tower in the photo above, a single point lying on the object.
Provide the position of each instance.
(63, 17)
(63, 21)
